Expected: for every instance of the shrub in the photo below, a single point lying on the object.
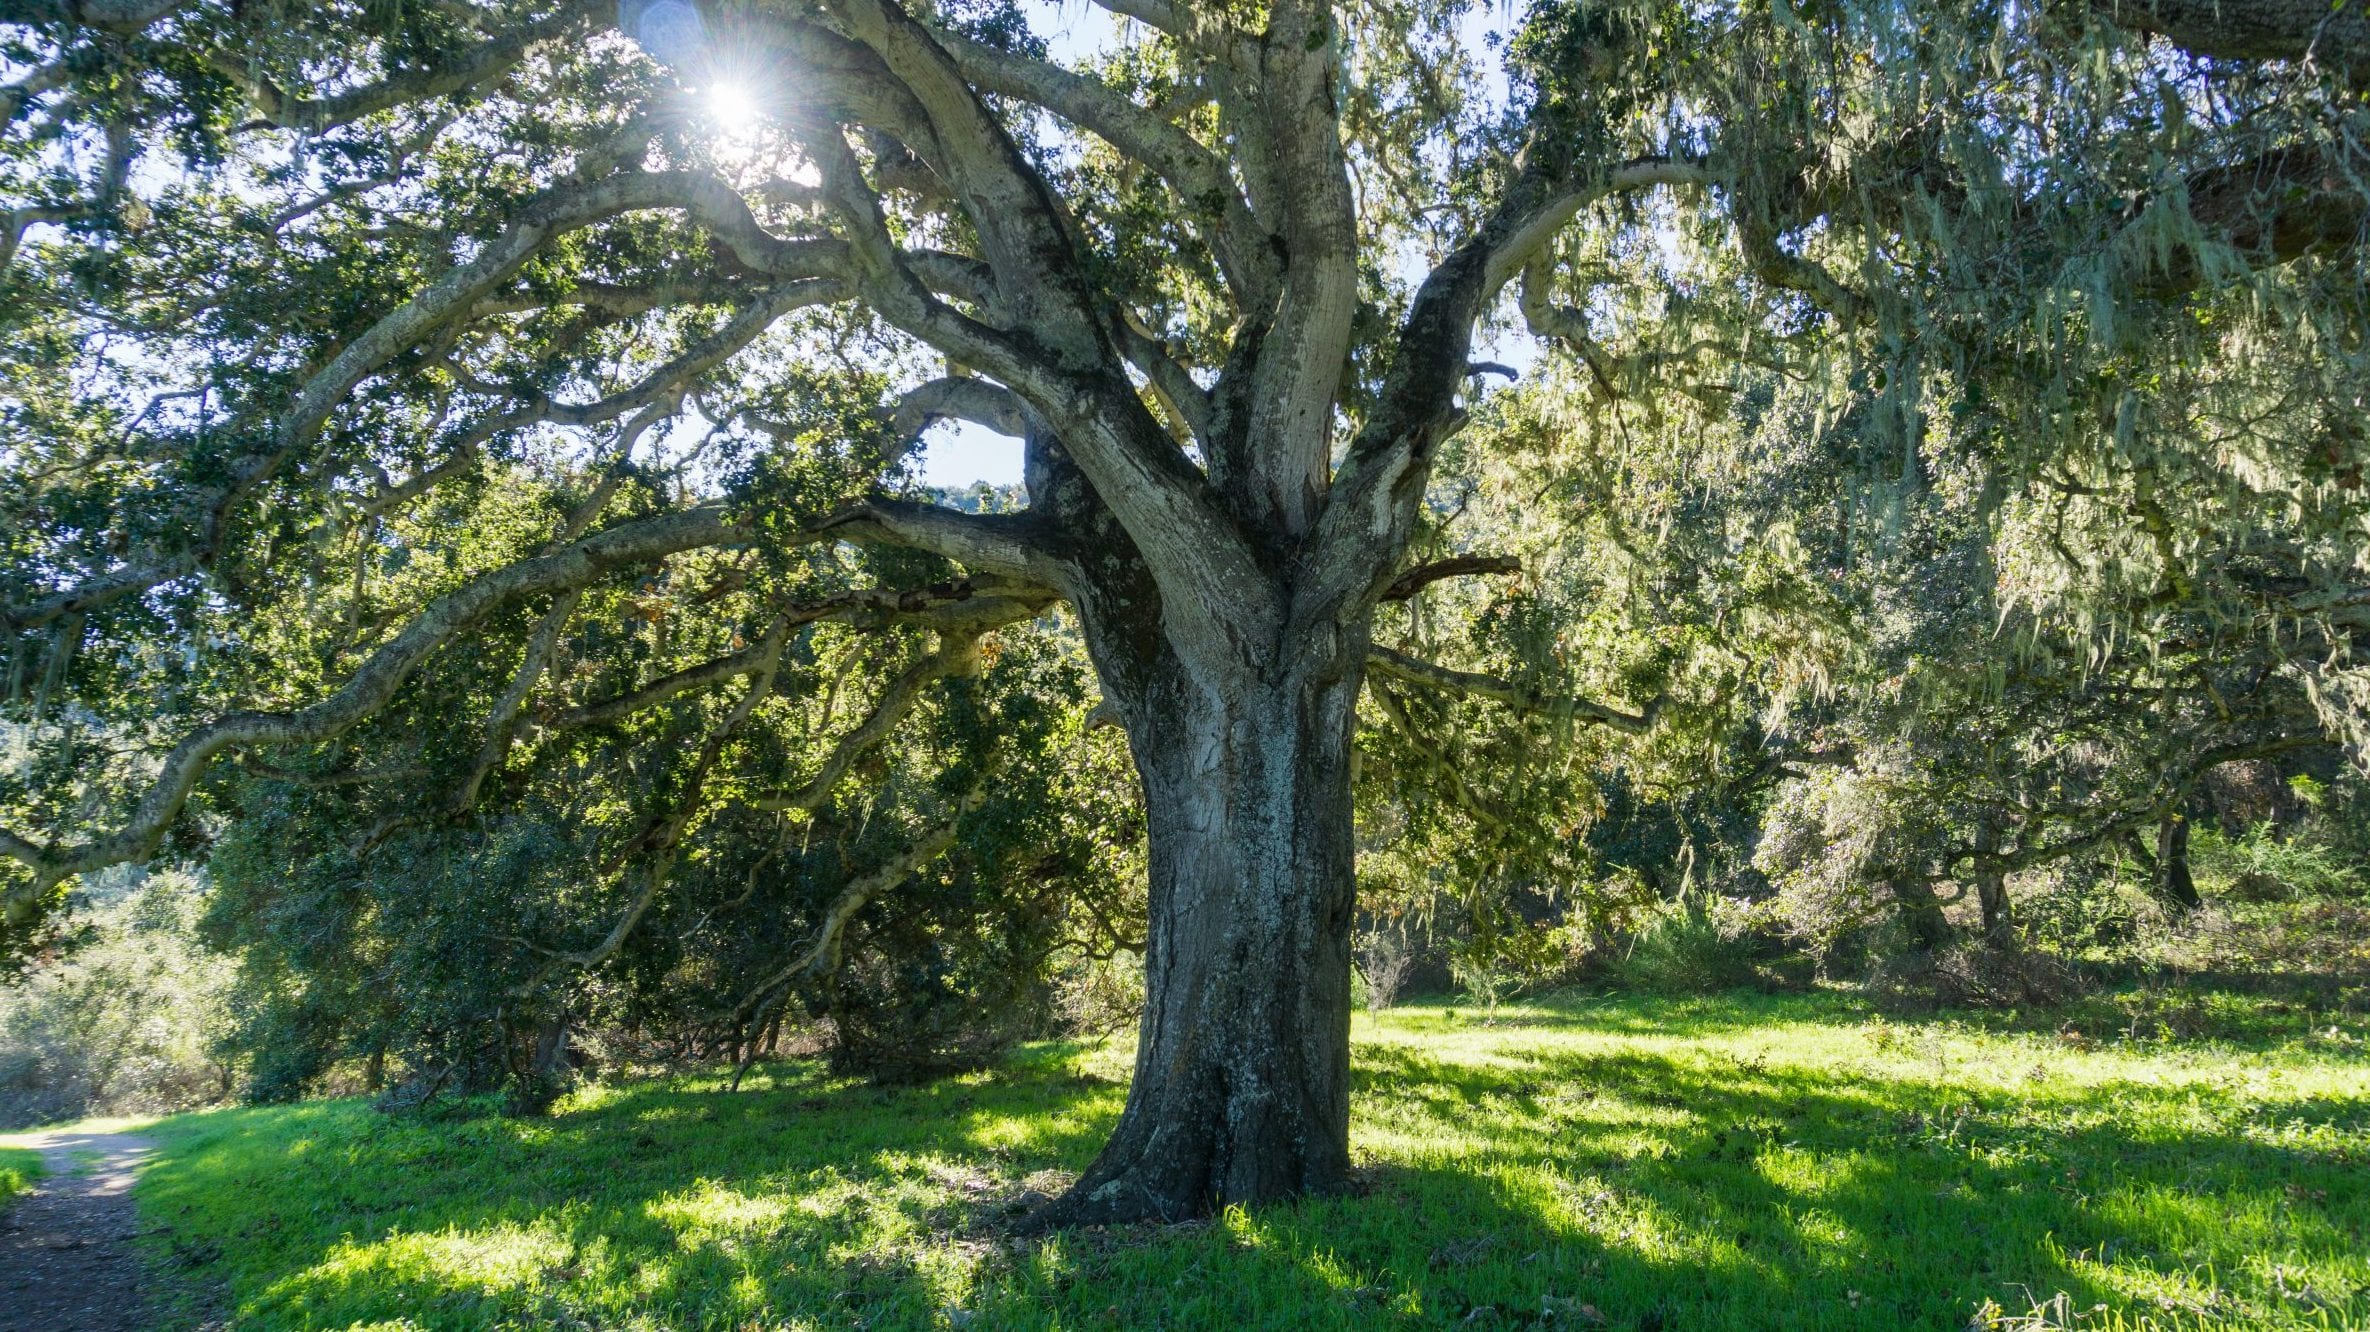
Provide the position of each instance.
(2260, 867)
(914, 1004)
(2080, 907)
(18, 1169)
(1385, 962)
(1978, 975)
(900, 1039)
(122, 1020)
(1701, 945)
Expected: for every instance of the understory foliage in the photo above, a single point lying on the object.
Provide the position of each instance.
(458, 496)
(128, 1016)
(18, 1169)
(363, 943)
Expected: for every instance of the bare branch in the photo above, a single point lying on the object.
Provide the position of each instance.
(1451, 774)
(1020, 224)
(1779, 267)
(1529, 224)
(501, 723)
(1196, 174)
(959, 398)
(1009, 545)
(1174, 19)
(618, 707)
(1415, 670)
(822, 953)
(1188, 401)
(1460, 566)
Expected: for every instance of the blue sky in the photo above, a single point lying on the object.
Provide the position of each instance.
(957, 453)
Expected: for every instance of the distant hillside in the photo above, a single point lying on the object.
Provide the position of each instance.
(980, 497)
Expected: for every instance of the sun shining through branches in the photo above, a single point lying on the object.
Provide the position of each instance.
(734, 109)
(733, 105)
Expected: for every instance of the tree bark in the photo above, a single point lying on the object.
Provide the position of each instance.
(1920, 913)
(1241, 1087)
(2175, 886)
(1991, 887)
(551, 1048)
(1999, 919)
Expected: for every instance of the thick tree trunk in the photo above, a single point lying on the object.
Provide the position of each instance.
(1920, 914)
(1241, 1090)
(1999, 919)
(2174, 884)
(1991, 888)
(551, 1048)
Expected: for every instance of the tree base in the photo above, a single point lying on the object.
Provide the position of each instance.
(1124, 1201)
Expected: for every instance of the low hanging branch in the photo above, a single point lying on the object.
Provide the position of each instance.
(953, 608)
(655, 845)
(1459, 789)
(1422, 576)
(368, 690)
(957, 654)
(1415, 670)
(963, 607)
(822, 951)
(502, 723)
(2112, 823)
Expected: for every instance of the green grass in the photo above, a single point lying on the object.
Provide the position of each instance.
(1743, 1162)
(18, 1169)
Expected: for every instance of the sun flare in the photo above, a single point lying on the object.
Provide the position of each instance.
(733, 107)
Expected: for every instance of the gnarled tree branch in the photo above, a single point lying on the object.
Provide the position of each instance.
(368, 689)
(1415, 670)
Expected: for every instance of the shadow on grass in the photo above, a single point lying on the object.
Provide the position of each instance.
(1540, 1181)
(1691, 1016)
(2219, 1010)
(1728, 1194)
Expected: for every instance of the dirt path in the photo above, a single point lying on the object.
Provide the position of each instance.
(66, 1260)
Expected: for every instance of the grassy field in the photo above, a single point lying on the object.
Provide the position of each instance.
(18, 1169)
(1747, 1162)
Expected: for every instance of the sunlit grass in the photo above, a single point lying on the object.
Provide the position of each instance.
(18, 1169)
(1738, 1163)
